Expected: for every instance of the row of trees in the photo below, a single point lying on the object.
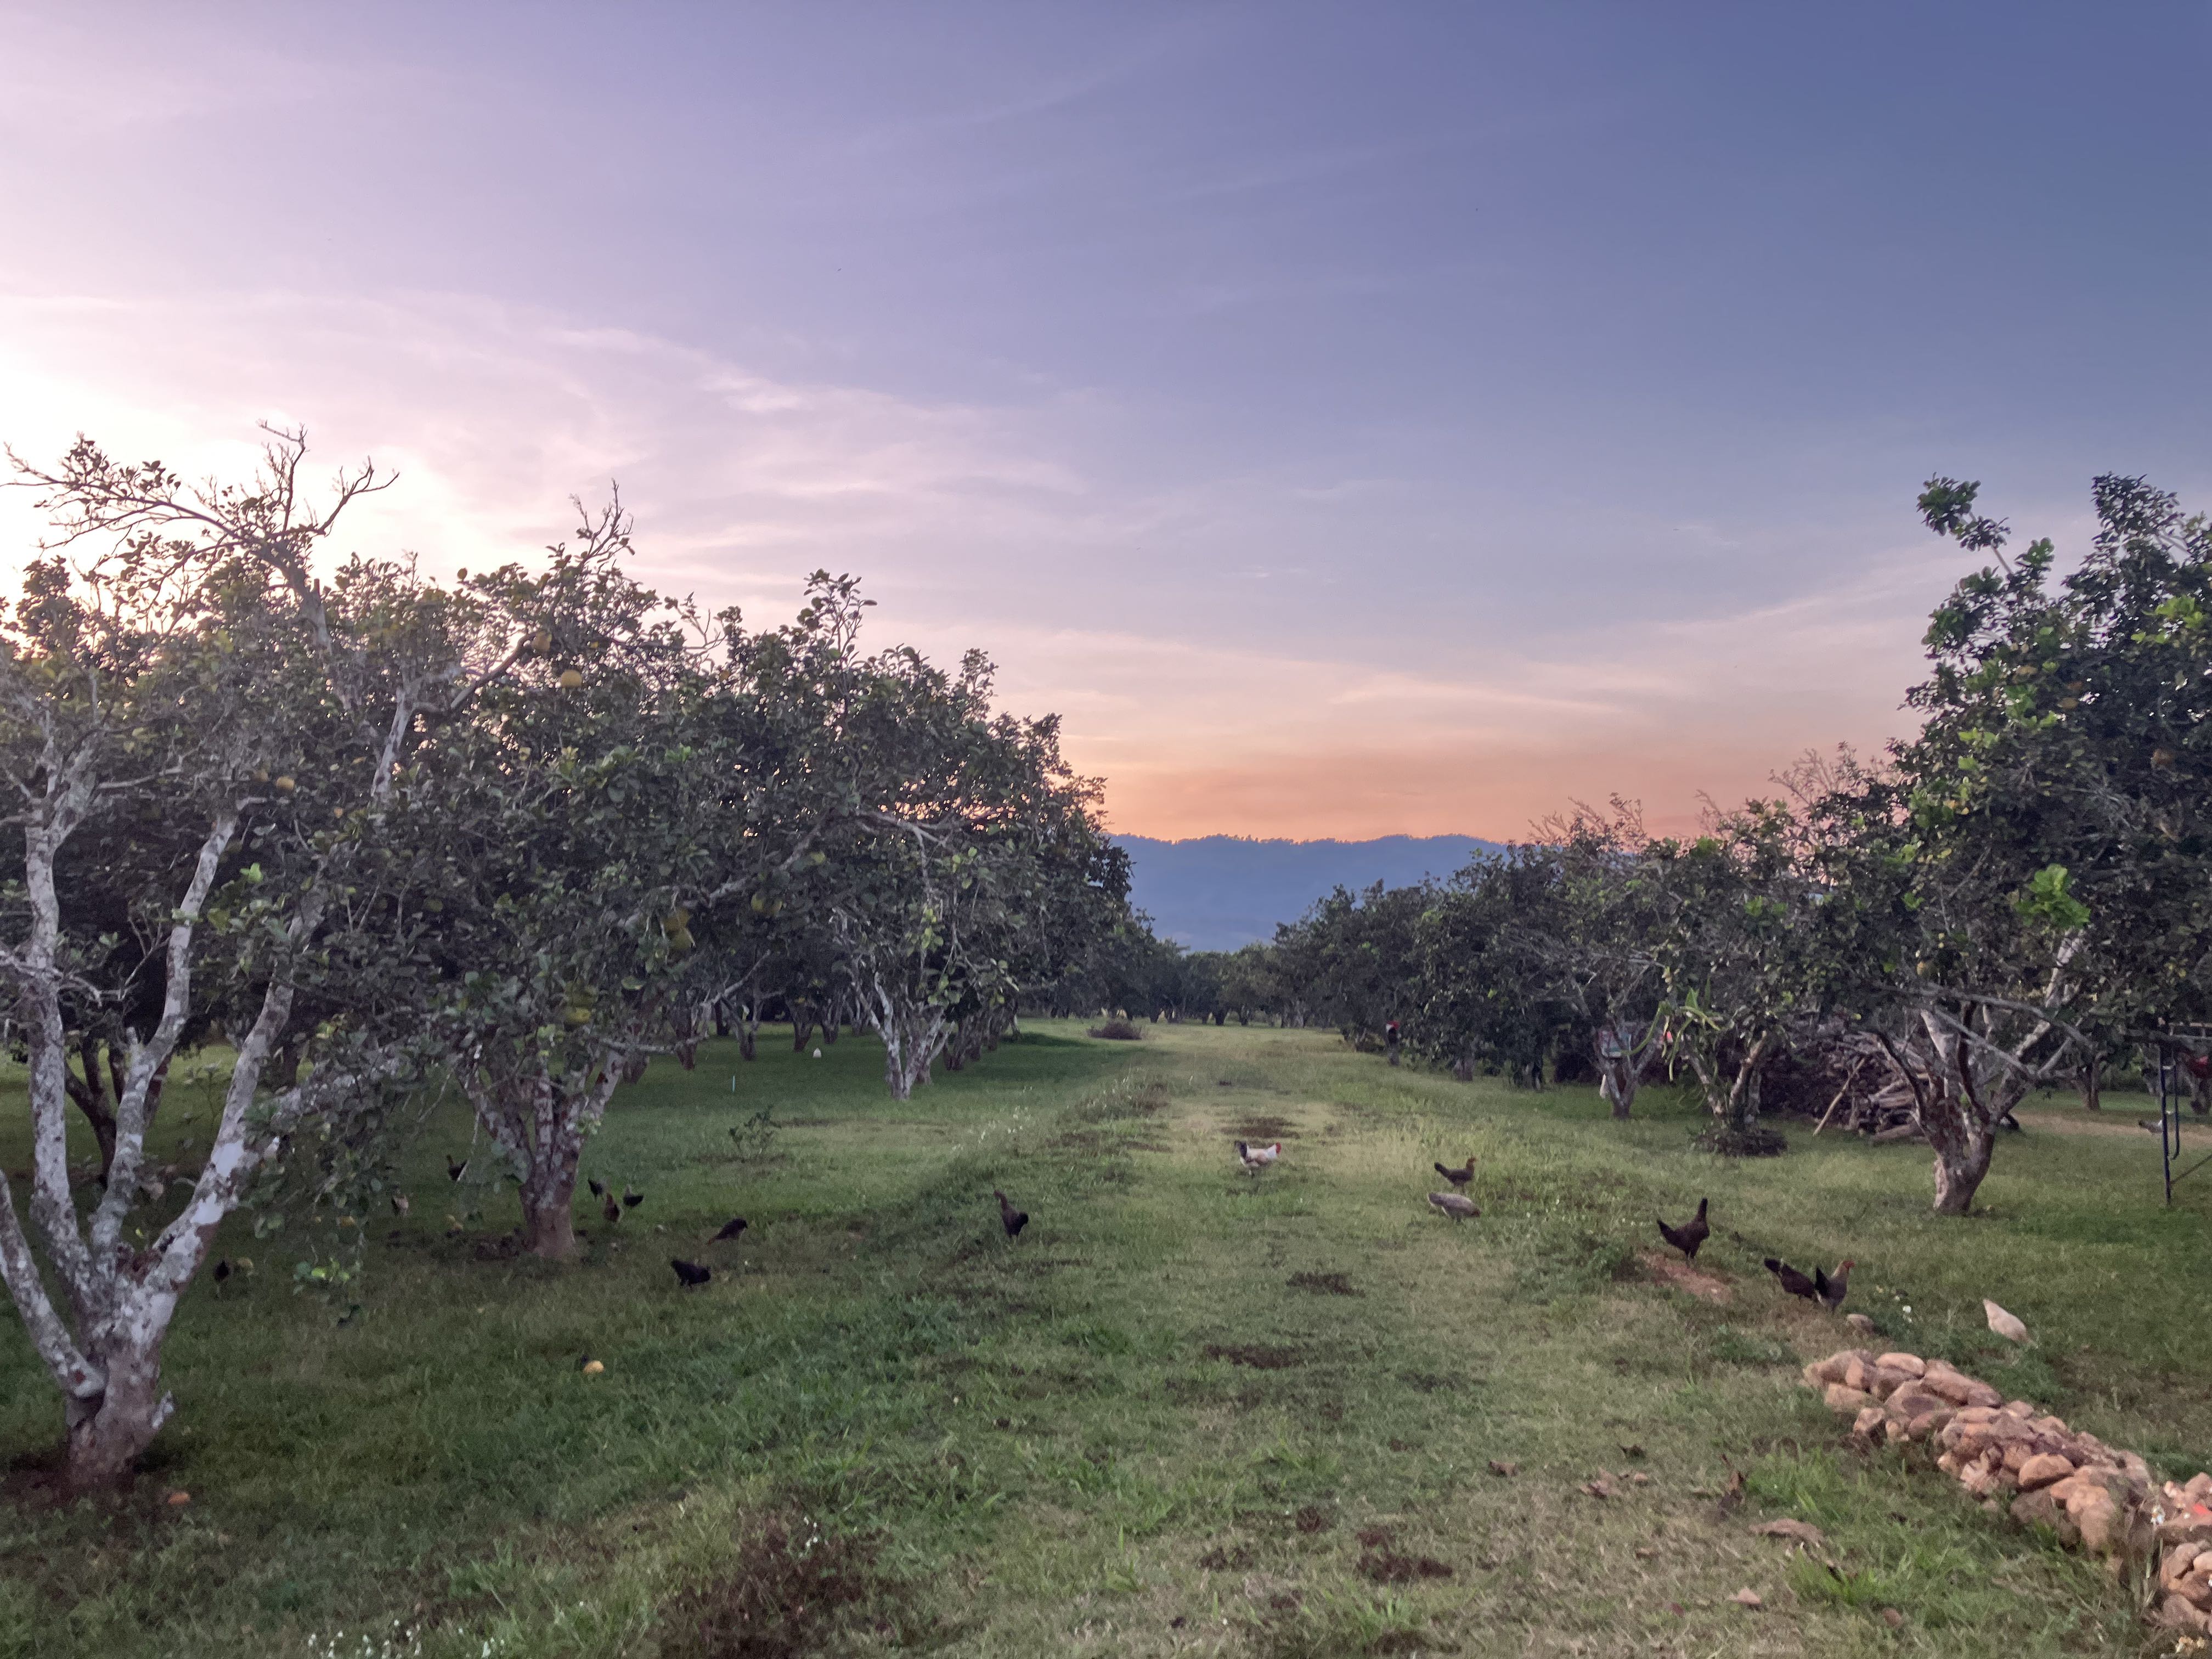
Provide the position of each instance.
(514, 834)
(2021, 892)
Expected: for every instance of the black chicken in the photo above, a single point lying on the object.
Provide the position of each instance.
(690, 1272)
(730, 1229)
(1459, 1177)
(1691, 1234)
(630, 1200)
(222, 1269)
(455, 1168)
(1828, 1291)
(598, 1187)
(1009, 1218)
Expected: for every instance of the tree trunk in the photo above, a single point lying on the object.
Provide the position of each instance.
(1616, 1084)
(109, 1430)
(1962, 1149)
(802, 1025)
(1619, 1072)
(541, 1124)
(90, 1095)
(912, 1039)
(2092, 1099)
(549, 1221)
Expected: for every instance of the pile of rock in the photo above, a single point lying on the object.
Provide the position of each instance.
(2094, 1496)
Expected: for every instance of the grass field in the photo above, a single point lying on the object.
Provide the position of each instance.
(1187, 1411)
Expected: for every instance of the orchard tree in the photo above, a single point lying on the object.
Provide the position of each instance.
(1488, 995)
(1742, 956)
(1593, 951)
(2031, 875)
(567, 840)
(196, 702)
(1354, 957)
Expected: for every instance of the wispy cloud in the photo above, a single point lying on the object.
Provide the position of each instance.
(976, 524)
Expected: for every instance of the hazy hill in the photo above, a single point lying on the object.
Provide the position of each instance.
(1217, 892)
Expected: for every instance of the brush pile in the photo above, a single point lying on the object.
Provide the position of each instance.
(2093, 1496)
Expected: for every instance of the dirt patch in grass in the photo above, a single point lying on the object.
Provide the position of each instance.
(1323, 1284)
(790, 1589)
(1386, 1566)
(1683, 1277)
(1226, 1558)
(1263, 1130)
(1258, 1356)
(1312, 1518)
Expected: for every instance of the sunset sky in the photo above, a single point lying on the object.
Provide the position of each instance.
(1353, 419)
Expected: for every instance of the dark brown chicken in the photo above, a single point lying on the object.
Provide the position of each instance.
(612, 1210)
(1012, 1219)
(1459, 1177)
(1834, 1289)
(455, 1168)
(1691, 1234)
(690, 1272)
(730, 1229)
(1828, 1291)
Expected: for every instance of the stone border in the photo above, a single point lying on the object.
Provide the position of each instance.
(2096, 1498)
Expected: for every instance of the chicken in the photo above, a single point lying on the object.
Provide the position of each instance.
(222, 1269)
(690, 1272)
(455, 1168)
(1828, 1291)
(1257, 1159)
(1691, 1234)
(730, 1229)
(1834, 1290)
(1459, 1177)
(401, 1204)
(598, 1187)
(1012, 1219)
(630, 1200)
(612, 1210)
(1453, 1205)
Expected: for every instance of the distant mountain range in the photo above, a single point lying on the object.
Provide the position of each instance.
(1217, 892)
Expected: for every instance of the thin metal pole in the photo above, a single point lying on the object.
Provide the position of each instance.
(2168, 1141)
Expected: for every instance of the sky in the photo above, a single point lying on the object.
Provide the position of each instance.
(1351, 419)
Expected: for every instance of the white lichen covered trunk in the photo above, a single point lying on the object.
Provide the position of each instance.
(542, 1122)
(1732, 1095)
(1623, 1055)
(104, 1352)
(913, 1034)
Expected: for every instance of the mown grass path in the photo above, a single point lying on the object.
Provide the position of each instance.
(1190, 1410)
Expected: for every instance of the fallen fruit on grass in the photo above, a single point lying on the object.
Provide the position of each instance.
(1504, 1470)
(1747, 1598)
(594, 1367)
(178, 1499)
